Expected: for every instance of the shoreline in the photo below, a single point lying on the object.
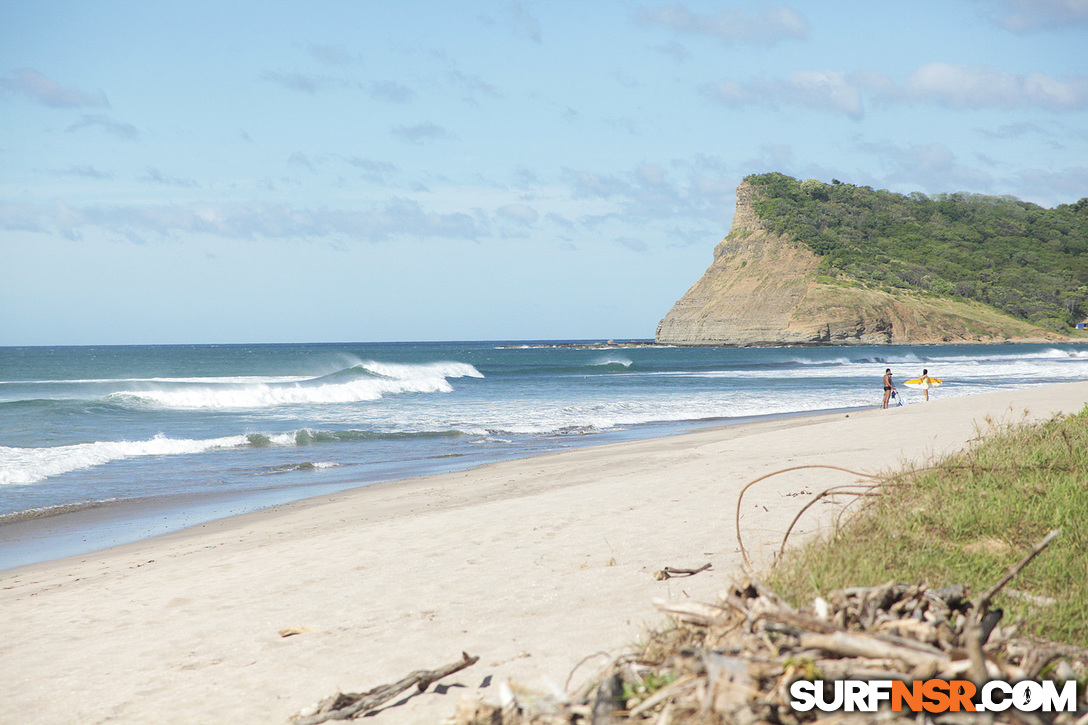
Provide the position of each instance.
(532, 564)
(80, 528)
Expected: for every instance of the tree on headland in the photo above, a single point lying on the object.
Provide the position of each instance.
(1010, 254)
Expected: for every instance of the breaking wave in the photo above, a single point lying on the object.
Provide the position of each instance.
(31, 465)
(618, 361)
(35, 464)
(362, 382)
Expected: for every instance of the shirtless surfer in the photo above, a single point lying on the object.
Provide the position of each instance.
(888, 387)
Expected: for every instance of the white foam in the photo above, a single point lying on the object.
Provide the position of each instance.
(612, 360)
(425, 370)
(284, 439)
(236, 379)
(30, 465)
(384, 379)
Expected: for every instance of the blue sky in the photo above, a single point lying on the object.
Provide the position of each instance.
(177, 172)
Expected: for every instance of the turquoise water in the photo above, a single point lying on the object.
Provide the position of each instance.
(197, 432)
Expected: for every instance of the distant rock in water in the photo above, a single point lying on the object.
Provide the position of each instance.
(762, 289)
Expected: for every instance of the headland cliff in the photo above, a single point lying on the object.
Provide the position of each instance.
(764, 288)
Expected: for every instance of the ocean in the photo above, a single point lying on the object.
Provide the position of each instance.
(106, 445)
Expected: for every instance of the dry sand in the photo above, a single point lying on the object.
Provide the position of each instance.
(533, 565)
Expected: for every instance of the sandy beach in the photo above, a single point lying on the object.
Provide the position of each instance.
(533, 565)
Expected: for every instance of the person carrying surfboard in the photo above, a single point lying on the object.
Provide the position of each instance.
(925, 382)
(888, 386)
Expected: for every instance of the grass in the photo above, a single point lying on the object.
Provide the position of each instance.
(968, 519)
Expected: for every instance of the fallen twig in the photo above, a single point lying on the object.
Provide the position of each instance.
(672, 571)
(849, 644)
(344, 706)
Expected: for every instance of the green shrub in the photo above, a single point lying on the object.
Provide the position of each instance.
(1022, 259)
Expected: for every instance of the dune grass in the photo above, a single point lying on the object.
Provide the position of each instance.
(968, 519)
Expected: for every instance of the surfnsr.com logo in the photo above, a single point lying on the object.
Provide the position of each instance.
(934, 696)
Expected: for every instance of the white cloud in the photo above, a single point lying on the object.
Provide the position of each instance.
(297, 81)
(1026, 16)
(300, 159)
(819, 90)
(107, 124)
(927, 167)
(635, 245)
(772, 157)
(395, 218)
(675, 50)
(48, 92)
(730, 26)
(87, 171)
(588, 184)
(524, 22)
(959, 86)
(944, 84)
(826, 90)
(23, 217)
(421, 132)
(525, 177)
(334, 55)
(651, 174)
(648, 195)
(154, 176)
(390, 91)
(373, 170)
(1055, 186)
(519, 213)
(687, 195)
(474, 84)
(561, 221)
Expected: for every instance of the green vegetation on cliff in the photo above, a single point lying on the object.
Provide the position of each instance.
(1016, 256)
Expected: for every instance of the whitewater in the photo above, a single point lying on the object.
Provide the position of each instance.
(185, 427)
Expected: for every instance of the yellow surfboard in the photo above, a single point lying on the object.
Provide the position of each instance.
(917, 383)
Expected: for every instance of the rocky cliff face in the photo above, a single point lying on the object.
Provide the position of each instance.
(761, 289)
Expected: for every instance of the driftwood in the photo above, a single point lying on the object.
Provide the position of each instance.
(345, 706)
(691, 611)
(671, 571)
(734, 661)
(846, 644)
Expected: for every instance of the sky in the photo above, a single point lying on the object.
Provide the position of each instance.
(233, 171)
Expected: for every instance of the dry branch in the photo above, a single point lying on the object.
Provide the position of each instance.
(846, 644)
(344, 706)
(740, 496)
(672, 571)
(734, 661)
(866, 490)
